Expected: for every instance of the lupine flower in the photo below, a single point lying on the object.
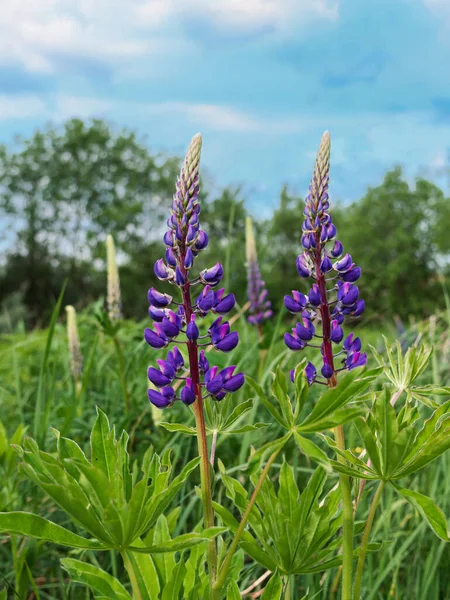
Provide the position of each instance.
(76, 358)
(333, 294)
(171, 319)
(113, 297)
(257, 294)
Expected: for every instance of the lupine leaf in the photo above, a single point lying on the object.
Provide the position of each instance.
(273, 589)
(260, 555)
(237, 413)
(233, 591)
(178, 427)
(301, 388)
(181, 542)
(387, 428)
(370, 443)
(428, 509)
(172, 587)
(338, 417)
(33, 526)
(95, 578)
(165, 562)
(267, 403)
(268, 448)
(310, 449)
(143, 569)
(246, 428)
(102, 448)
(335, 398)
(280, 391)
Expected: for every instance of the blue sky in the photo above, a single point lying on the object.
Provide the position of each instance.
(260, 79)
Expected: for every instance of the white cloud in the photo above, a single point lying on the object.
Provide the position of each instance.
(240, 16)
(35, 33)
(211, 117)
(21, 107)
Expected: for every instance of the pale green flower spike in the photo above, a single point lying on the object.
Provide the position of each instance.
(113, 299)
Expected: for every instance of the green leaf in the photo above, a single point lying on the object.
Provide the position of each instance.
(142, 573)
(387, 428)
(370, 443)
(431, 441)
(338, 417)
(281, 393)
(40, 419)
(261, 453)
(274, 588)
(233, 591)
(178, 427)
(310, 449)
(186, 540)
(269, 406)
(103, 453)
(172, 588)
(237, 413)
(428, 509)
(246, 428)
(95, 578)
(335, 398)
(3, 440)
(33, 526)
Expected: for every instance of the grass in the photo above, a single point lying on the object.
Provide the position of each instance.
(37, 392)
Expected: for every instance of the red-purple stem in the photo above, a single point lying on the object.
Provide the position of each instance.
(199, 413)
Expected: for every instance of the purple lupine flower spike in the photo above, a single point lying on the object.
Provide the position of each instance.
(184, 240)
(333, 294)
(257, 294)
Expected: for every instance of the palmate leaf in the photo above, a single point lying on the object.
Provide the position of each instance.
(267, 403)
(310, 449)
(428, 509)
(30, 525)
(336, 398)
(425, 450)
(98, 580)
(112, 504)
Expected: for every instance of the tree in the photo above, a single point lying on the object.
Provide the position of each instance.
(392, 233)
(66, 189)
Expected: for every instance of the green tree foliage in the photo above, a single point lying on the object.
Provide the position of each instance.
(396, 232)
(64, 190)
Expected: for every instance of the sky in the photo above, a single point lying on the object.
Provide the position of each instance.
(260, 79)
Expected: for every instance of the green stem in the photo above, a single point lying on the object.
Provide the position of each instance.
(347, 517)
(223, 572)
(132, 575)
(287, 593)
(123, 380)
(365, 540)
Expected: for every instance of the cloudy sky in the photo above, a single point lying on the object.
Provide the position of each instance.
(261, 79)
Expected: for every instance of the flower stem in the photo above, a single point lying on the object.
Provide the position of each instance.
(205, 476)
(223, 572)
(365, 540)
(347, 517)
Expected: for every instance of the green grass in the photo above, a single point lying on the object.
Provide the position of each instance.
(37, 391)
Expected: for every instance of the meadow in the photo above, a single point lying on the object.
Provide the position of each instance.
(37, 392)
(53, 392)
